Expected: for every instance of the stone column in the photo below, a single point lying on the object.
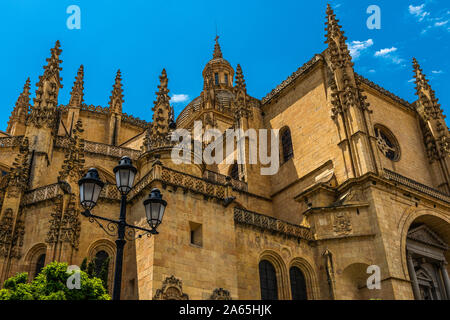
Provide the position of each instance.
(413, 277)
(446, 278)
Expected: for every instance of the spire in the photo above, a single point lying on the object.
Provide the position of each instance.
(162, 109)
(22, 106)
(217, 51)
(427, 104)
(240, 81)
(116, 99)
(163, 92)
(74, 158)
(18, 176)
(46, 100)
(52, 69)
(77, 94)
(158, 133)
(338, 50)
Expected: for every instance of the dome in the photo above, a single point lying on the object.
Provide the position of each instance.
(223, 98)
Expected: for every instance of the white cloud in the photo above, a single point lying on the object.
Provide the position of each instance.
(384, 52)
(356, 47)
(177, 98)
(437, 71)
(372, 71)
(412, 80)
(418, 11)
(440, 24)
(387, 53)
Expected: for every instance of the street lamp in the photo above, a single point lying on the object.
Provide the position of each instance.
(90, 188)
(154, 209)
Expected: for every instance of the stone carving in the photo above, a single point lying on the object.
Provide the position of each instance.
(427, 236)
(17, 239)
(8, 142)
(65, 226)
(220, 294)
(22, 107)
(242, 216)
(192, 183)
(116, 99)
(73, 164)
(101, 148)
(77, 94)
(43, 112)
(158, 133)
(416, 185)
(172, 289)
(18, 177)
(342, 223)
(11, 234)
(6, 226)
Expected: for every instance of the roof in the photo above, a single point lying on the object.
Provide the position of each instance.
(224, 98)
(308, 65)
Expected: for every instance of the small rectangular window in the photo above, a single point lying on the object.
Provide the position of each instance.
(216, 78)
(196, 233)
(226, 78)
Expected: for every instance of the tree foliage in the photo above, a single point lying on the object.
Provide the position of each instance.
(52, 284)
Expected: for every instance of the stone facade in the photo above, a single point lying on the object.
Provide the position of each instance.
(368, 183)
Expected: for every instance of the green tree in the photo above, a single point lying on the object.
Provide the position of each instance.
(51, 284)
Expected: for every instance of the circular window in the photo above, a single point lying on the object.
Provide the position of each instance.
(387, 143)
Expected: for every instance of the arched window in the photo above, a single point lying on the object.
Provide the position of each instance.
(234, 171)
(286, 145)
(268, 281)
(216, 78)
(39, 264)
(387, 143)
(298, 284)
(101, 258)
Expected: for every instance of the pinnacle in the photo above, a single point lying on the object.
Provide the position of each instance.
(116, 99)
(217, 51)
(240, 81)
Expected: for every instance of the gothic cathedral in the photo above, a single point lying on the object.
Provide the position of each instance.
(363, 187)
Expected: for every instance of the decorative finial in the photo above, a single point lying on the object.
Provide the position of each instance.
(217, 51)
(428, 103)
(77, 94)
(116, 99)
(240, 81)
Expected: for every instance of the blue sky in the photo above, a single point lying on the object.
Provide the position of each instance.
(270, 39)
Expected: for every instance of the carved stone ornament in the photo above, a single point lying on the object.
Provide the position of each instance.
(342, 223)
(172, 289)
(220, 294)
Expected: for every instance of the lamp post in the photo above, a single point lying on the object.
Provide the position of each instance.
(90, 188)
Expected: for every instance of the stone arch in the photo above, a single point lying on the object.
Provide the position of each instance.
(312, 286)
(32, 256)
(352, 282)
(436, 224)
(281, 272)
(110, 248)
(438, 221)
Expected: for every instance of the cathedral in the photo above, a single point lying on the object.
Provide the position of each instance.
(359, 208)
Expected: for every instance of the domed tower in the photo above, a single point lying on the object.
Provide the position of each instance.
(218, 73)
(214, 106)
